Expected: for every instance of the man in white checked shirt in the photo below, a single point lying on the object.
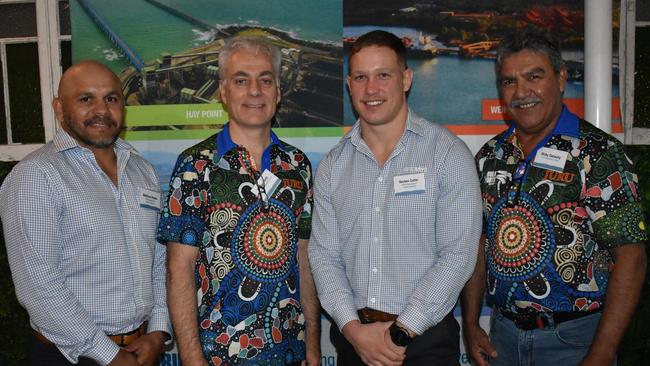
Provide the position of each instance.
(79, 217)
(397, 221)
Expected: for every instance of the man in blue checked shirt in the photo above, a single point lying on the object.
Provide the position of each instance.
(79, 217)
(397, 220)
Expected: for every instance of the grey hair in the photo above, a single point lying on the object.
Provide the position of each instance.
(535, 40)
(256, 44)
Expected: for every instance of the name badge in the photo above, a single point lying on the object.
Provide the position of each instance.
(270, 181)
(552, 159)
(149, 199)
(409, 183)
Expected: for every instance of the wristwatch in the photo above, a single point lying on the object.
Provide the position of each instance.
(168, 339)
(399, 335)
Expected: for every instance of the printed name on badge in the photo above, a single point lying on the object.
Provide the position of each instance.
(409, 183)
(552, 159)
(149, 199)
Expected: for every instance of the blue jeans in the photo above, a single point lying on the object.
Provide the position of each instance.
(563, 344)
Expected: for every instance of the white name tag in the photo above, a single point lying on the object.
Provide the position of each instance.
(149, 199)
(270, 181)
(552, 159)
(409, 183)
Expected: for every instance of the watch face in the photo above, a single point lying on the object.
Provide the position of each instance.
(399, 336)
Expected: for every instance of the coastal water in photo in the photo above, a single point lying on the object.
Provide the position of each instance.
(447, 88)
(150, 30)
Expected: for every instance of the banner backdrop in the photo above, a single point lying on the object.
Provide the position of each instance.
(165, 52)
(451, 49)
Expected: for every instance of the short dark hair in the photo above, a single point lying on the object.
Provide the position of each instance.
(382, 39)
(535, 40)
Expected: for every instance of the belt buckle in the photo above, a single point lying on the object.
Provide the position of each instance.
(365, 316)
(527, 322)
(521, 322)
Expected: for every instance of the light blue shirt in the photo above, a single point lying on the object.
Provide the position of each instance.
(82, 252)
(408, 254)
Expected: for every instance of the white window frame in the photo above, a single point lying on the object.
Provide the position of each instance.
(632, 135)
(49, 65)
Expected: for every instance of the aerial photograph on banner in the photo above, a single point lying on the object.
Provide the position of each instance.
(452, 46)
(165, 52)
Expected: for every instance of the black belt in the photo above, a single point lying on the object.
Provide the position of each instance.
(368, 315)
(541, 320)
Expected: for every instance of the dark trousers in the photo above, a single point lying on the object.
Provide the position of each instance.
(437, 346)
(41, 354)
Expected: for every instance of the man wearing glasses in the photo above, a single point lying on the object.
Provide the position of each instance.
(563, 226)
(236, 223)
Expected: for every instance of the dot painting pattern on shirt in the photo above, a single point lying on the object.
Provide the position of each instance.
(247, 272)
(548, 238)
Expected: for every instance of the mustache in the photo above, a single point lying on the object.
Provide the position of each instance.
(108, 121)
(517, 102)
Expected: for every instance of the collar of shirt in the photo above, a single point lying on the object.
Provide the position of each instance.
(414, 123)
(63, 141)
(225, 143)
(568, 124)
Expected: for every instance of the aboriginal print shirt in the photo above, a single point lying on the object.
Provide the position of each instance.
(247, 234)
(551, 218)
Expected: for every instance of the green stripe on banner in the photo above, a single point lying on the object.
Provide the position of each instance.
(200, 134)
(168, 135)
(209, 116)
(309, 131)
(175, 114)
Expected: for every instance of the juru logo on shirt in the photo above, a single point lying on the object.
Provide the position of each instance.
(558, 176)
(292, 183)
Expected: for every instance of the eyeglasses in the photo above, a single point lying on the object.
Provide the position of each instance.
(261, 191)
(249, 164)
(518, 174)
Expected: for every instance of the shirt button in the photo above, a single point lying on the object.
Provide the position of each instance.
(375, 239)
(374, 269)
(380, 179)
(377, 209)
(373, 300)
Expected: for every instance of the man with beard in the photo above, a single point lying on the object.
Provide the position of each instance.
(79, 217)
(564, 229)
